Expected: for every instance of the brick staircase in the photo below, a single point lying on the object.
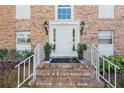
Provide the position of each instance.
(73, 75)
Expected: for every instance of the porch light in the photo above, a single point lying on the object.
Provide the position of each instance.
(46, 27)
(82, 24)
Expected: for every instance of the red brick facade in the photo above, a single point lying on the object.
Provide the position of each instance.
(9, 25)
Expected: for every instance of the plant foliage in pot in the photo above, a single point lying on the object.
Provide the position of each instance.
(80, 50)
(47, 50)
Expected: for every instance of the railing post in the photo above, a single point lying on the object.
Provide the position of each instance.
(18, 76)
(116, 77)
(109, 71)
(34, 69)
(103, 68)
(29, 67)
(24, 72)
(91, 54)
(38, 53)
(97, 67)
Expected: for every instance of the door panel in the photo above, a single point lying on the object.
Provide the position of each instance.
(63, 41)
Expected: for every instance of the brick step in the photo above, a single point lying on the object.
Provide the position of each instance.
(62, 75)
(63, 70)
(65, 77)
(65, 74)
(68, 83)
(62, 66)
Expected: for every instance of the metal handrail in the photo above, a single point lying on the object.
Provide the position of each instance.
(24, 60)
(109, 62)
(98, 75)
(36, 57)
(24, 72)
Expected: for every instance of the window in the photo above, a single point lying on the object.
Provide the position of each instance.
(54, 40)
(64, 12)
(106, 11)
(23, 12)
(73, 40)
(23, 41)
(105, 37)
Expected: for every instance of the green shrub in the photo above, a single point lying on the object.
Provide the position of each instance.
(81, 48)
(21, 55)
(48, 47)
(3, 53)
(117, 60)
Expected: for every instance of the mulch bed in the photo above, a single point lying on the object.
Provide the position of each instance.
(5, 70)
(7, 64)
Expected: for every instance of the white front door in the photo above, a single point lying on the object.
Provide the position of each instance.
(106, 43)
(64, 42)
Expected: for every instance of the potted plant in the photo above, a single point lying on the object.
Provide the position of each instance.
(80, 50)
(47, 50)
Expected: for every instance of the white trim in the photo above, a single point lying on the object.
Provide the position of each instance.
(56, 13)
(64, 23)
(72, 12)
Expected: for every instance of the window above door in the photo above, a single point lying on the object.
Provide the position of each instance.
(64, 12)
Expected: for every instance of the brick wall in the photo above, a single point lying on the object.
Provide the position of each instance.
(39, 15)
(42, 13)
(93, 25)
(7, 27)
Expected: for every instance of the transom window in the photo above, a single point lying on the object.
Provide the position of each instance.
(64, 12)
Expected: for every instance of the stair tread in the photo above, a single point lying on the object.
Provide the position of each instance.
(53, 66)
(67, 82)
(63, 78)
(65, 75)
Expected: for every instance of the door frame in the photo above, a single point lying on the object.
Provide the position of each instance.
(59, 23)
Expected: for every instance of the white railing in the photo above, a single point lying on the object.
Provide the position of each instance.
(24, 77)
(106, 75)
(100, 63)
(38, 56)
(35, 59)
